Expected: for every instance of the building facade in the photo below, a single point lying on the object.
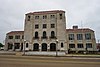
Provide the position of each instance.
(81, 40)
(46, 31)
(14, 41)
(43, 29)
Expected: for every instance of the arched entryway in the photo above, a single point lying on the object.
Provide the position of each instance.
(44, 47)
(10, 46)
(52, 47)
(36, 47)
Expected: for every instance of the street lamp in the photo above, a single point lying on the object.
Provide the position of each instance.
(24, 47)
(56, 47)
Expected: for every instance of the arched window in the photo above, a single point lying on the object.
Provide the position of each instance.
(44, 34)
(52, 34)
(36, 34)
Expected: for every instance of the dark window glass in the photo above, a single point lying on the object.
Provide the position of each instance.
(80, 45)
(36, 26)
(36, 34)
(44, 34)
(52, 25)
(60, 16)
(26, 45)
(22, 36)
(29, 18)
(10, 37)
(71, 45)
(44, 26)
(62, 45)
(17, 36)
(71, 36)
(88, 36)
(52, 34)
(36, 17)
(52, 16)
(45, 17)
(79, 37)
(88, 45)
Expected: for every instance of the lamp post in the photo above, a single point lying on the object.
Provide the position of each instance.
(56, 47)
(24, 47)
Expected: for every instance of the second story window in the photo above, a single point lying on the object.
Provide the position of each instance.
(36, 17)
(52, 16)
(62, 45)
(26, 45)
(79, 37)
(52, 34)
(52, 25)
(60, 16)
(36, 26)
(44, 26)
(17, 36)
(36, 34)
(88, 36)
(10, 37)
(44, 34)
(71, 36)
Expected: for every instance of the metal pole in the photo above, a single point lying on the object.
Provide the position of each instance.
(24, 47)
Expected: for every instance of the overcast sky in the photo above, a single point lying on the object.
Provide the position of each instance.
(84, 13)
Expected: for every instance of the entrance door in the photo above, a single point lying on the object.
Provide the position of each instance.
(36, 47)
(52, 47)
(44, 47)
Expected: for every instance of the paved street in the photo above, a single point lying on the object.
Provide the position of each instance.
(33, 61)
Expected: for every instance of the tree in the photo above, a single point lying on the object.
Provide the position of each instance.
(1, 45)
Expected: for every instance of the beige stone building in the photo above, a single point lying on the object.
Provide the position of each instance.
(81, 40)
(14, 41)
(43, 29)
(46, 31)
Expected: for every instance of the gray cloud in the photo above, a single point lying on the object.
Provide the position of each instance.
(12, 13)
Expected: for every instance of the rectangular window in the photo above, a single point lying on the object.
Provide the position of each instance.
(26, 45)
(44, 26)
(52, 16)
(60, 16)
(28, 18)
(36, 26)
(79, 45)
(88, 45)
(71, 36)
(62, 45)
(17, 36)
(71, 45)
(45, 17)
(52, 25)
(36, 17)
(79, 36)
(10, 37)
(88, 36)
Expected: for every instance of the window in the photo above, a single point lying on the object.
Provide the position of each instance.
(29, 18)
(36, 17)
(52, 25)
(62, 45)
(36, 26)
(17, 45)
(71, 36)
(36, 34)
(87, 36)
(10, 37)
(52, 34)
(17, 36)
(52, 16)
(79, 45)
(45, 17)
(60, 16)
(79, 37)
(44, 34)
(71, 45)
(88, 45)
(22, 36)
(26, 45)
(44, 26)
